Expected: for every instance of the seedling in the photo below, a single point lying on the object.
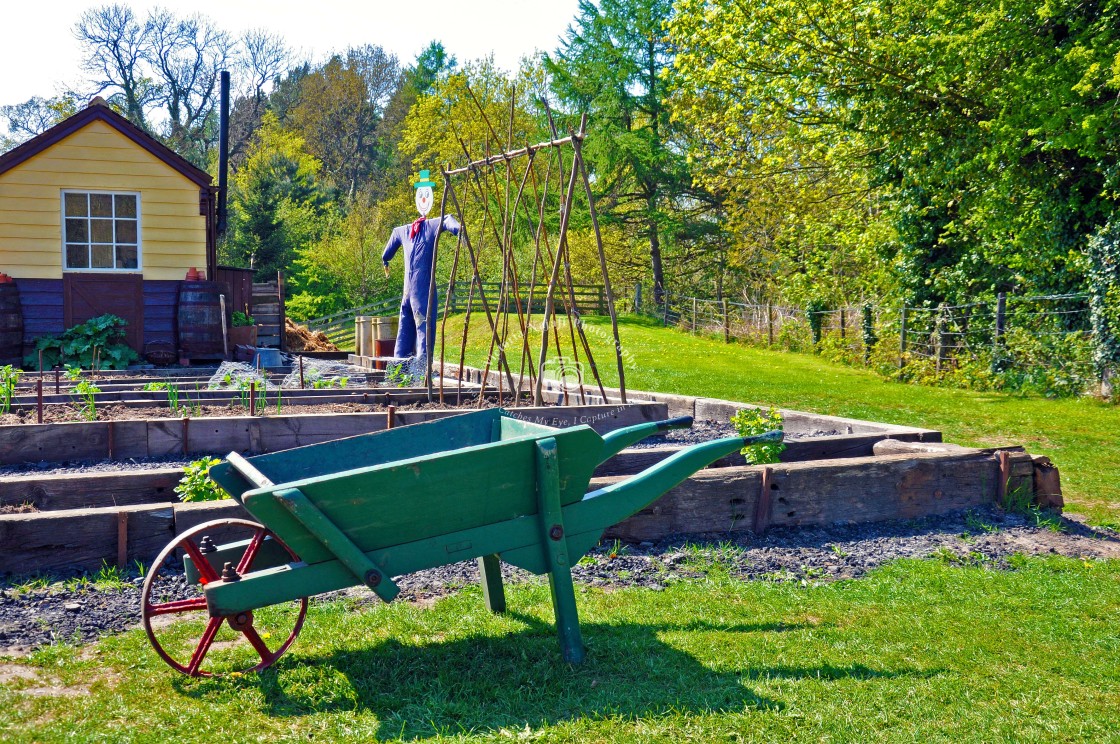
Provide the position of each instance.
(195, 485)
(752, 421)
(87, 391)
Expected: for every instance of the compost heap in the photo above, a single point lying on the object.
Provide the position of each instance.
(300, 338)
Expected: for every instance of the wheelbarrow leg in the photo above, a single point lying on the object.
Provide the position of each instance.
(490, 569)
(556, 553)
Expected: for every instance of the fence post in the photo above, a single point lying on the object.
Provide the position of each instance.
(770, 322)
(939, 334)
(902, 337)
(869, 338)
(843, 325)
(726, 323)
(638, 297)
(1001, 318)
(665, 311)
(694, 315)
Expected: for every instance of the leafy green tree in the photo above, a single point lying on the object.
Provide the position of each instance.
(613, 64)
(276, 203)
(971, 139)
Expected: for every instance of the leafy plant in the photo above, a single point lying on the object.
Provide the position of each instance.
(242, 319)
(397, 376)
(196, 485)
(87, 391)
(752, 421)
(100, 339)
(152, 387)
(73, 373)
(9, 376)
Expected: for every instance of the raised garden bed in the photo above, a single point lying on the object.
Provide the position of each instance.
(830, 473)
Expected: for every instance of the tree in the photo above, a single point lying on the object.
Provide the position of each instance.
(114, 46)
(970, 139)
(276, 202)
(340, 107)
(34, 116)
(613, 64)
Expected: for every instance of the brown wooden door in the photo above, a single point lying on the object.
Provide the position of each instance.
(86, 296)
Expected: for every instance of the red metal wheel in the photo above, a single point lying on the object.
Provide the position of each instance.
(174, 614)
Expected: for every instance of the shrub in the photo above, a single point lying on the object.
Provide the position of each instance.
(102, 337)
(752, 421)
(196, 485)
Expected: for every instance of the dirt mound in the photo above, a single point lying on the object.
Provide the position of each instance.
(300, 338)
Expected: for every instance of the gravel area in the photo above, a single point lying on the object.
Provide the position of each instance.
(31, 617)
(706, 430)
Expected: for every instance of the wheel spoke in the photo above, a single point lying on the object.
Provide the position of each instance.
(180, 605)
(258, 643)
(251, 551)
(204, 645)
(206, 572)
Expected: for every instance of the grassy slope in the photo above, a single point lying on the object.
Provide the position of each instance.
(916, 651)
(1082, 437)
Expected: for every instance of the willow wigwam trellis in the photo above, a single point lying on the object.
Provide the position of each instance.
(482, 179)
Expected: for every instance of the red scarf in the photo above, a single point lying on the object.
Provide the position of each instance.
(414, 228)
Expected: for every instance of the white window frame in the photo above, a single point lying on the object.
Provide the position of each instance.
(139, 241)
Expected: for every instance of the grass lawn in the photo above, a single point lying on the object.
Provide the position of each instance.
(915, 651)
(1082, 437)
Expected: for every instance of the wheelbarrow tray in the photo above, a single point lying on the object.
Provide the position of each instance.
(461, 472)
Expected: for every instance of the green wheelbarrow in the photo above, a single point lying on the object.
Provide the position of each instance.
(484, 485)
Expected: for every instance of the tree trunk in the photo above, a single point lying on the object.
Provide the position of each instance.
(655, 262)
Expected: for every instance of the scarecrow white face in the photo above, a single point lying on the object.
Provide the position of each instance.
(424, 196)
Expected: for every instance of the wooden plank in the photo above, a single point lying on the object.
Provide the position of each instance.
(284, 432)
(90, 490)
(188, 516)
(80, 539)
(53, 442)
(865, 489)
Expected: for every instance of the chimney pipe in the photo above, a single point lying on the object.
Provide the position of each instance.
(223, 153)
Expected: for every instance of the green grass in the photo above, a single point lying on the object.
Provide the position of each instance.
(915, 651)
(1081, 436)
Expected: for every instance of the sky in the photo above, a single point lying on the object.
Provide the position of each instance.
(43, 55)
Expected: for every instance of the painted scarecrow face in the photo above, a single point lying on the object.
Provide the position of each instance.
(424, 200)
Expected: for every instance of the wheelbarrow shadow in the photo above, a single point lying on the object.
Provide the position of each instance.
(487, 684)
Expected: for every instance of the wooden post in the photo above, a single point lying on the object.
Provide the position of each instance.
(843, 325)
(770, 322)
(253, 398)
(39, 394)
(1001, 321)
(902, 337)
(726, 322)
(122, 540)
(665, 310)
(57, 380)
(638, 298)
(225, 332)
(694, 315)
(939, 337)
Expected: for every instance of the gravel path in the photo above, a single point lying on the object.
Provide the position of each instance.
(33, 617)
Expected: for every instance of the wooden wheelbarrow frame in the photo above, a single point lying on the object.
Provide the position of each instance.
(480, 485)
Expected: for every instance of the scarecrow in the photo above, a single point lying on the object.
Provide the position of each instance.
(419, 242)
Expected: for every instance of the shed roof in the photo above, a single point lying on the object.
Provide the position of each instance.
(98, 110)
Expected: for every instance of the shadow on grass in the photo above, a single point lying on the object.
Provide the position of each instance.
(486, 684)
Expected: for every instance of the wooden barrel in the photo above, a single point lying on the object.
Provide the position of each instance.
(11, 326)
(200, 320)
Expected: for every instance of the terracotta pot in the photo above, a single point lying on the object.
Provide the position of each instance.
(243, 336)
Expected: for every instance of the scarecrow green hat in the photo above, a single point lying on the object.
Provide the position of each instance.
(425, 180)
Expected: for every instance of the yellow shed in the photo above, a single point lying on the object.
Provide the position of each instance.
(97, 216)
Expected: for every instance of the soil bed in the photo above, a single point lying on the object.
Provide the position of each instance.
(30, 618)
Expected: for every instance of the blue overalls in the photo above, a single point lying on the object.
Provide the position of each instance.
(412, 336)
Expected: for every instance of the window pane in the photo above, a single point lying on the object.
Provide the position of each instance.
(126, 257)
(101, 205)
(76, 205)
(102, 257)
(77, 231)
(126, 231)
(77, 257)
(126, 205)
(101, 231)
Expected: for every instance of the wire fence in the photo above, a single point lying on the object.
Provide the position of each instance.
(1008, 342)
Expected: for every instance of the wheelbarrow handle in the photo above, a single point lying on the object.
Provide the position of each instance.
(620, 439)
